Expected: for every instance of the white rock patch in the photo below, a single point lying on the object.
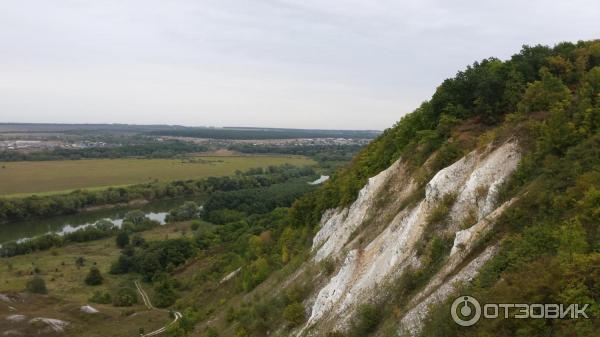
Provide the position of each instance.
(230, 276)
(55, 324)
(319, 181)
(338, 225)
(15, 318)
(481, 188)
(88, 309)
(5, 298)
(412, 321)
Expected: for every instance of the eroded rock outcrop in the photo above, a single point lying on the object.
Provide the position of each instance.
(474, 180)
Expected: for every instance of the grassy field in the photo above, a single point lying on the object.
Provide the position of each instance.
(67, 291)
(49, 177)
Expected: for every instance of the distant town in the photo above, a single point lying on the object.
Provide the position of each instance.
(32, 145)
(28, 138)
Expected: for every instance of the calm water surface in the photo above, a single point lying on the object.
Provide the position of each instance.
(15, 231)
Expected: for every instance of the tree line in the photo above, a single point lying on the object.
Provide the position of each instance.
(164, 149)
(134, 221)
(14, 209)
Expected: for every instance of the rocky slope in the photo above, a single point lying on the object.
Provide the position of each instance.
(472, 183)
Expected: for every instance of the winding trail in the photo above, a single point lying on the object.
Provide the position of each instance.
(149, 305)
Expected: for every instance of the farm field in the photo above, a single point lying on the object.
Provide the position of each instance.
(50, 177)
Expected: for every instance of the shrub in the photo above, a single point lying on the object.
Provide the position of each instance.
(442, 210)
(328, 266)
(367, 320)
(294, 314)
(100, 297)
(125, 297)
(164, 295)
(122, 239)
(210, 332)
(36, 285)
(195, 225)
(94, 277)
(335, 334)
(188, 211)
(79, 261)
(137, 240)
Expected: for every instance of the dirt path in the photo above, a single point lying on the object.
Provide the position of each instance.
(149, 305)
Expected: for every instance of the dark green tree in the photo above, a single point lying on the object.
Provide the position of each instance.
(122, 239)
(124, 297)
(37, 285)
(94, 277)
(164, 295)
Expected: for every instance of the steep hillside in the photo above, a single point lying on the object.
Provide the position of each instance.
(491, 189)
(439, 200)
(472, 184)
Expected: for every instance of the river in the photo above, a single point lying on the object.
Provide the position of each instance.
(15, 231)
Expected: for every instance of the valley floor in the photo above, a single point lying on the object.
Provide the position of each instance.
(67, 292)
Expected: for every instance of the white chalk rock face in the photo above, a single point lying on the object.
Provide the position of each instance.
(335, 289)
(481, 188)
(412, 321)
(450, 179)
(338, 225)
(474, 179)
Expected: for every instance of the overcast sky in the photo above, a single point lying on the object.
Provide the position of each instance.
(281, 63)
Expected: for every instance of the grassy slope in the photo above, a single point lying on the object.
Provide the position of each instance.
(67, 291)
(22, 178)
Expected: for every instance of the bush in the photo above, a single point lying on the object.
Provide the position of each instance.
(125, 297)
(328, 266)
(294, 314)
(122, 239)
(441, 211)
(100, 297)
(137, 240)
(211, 332)
(164, 295)
(188, 211)
(335, 334)
(79, 261)
(36, 285)
(367, 320)
(94, 277)
(195, 225)
(154, 258)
